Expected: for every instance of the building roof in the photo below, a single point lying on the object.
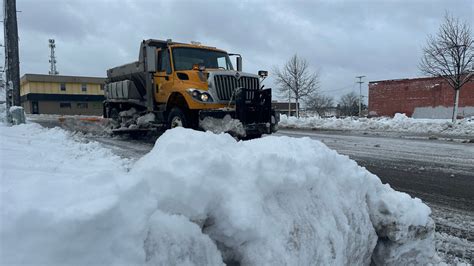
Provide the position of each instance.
(61, 79)
(408, 79)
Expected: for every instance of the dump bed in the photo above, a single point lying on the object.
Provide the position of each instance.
(124, 71)
(132, 72)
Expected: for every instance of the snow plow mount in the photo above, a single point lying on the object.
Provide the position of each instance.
(253, 108)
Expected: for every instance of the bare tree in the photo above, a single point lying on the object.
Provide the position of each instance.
(450, 54)
(349, 104)
(296, 80)
(319, 103)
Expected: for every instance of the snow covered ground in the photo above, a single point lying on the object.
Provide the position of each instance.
(199, 198)
(399, 123)
(438, 171)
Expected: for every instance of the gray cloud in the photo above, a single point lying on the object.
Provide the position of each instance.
(379, 39)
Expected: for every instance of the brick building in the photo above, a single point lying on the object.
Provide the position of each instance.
(419, 98)
(64, 95)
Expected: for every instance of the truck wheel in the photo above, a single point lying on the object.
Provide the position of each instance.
(177, 118)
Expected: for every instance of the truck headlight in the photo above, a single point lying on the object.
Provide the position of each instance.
(205, 97)
(199, 95)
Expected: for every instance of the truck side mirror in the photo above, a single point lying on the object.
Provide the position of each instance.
(239, 63)
(263, 73)
(151, 60)
(238, 60)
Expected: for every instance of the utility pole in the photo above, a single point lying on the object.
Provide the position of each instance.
(12, 61)
(53, 70)
(2, 84)
(360, 92)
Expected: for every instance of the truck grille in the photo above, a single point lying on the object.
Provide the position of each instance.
(226, 85)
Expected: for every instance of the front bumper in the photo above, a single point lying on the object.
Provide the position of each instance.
(256, 115)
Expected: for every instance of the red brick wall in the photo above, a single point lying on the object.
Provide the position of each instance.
(388, 97)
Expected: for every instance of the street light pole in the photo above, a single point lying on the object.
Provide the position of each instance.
(360, 92)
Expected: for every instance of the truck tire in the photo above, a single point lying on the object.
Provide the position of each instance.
(177, 118)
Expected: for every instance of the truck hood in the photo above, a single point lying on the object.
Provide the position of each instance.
(204, 80)
(230, 72)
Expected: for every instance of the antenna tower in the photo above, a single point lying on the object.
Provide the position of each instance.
(52, 58)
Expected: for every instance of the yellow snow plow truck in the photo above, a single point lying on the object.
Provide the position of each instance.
(189, 85)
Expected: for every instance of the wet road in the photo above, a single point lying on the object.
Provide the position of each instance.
(437, 171)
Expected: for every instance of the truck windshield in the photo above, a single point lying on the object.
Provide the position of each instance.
(185, 58)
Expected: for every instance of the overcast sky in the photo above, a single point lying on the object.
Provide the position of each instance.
(341, 39)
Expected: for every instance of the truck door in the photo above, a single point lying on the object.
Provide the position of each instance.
(163, 77)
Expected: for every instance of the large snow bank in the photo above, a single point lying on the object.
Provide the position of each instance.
(200, 199)
(399, 123)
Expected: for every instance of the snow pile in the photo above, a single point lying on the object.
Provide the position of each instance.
(399, 123)
(200, 199)
(58, 199)
(18, 115)
(226, 124)
(145, 120)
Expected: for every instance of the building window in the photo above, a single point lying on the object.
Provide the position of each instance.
(63, 86)
(84, 87)
(82, 105)
(101, 87)
(65, 105)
